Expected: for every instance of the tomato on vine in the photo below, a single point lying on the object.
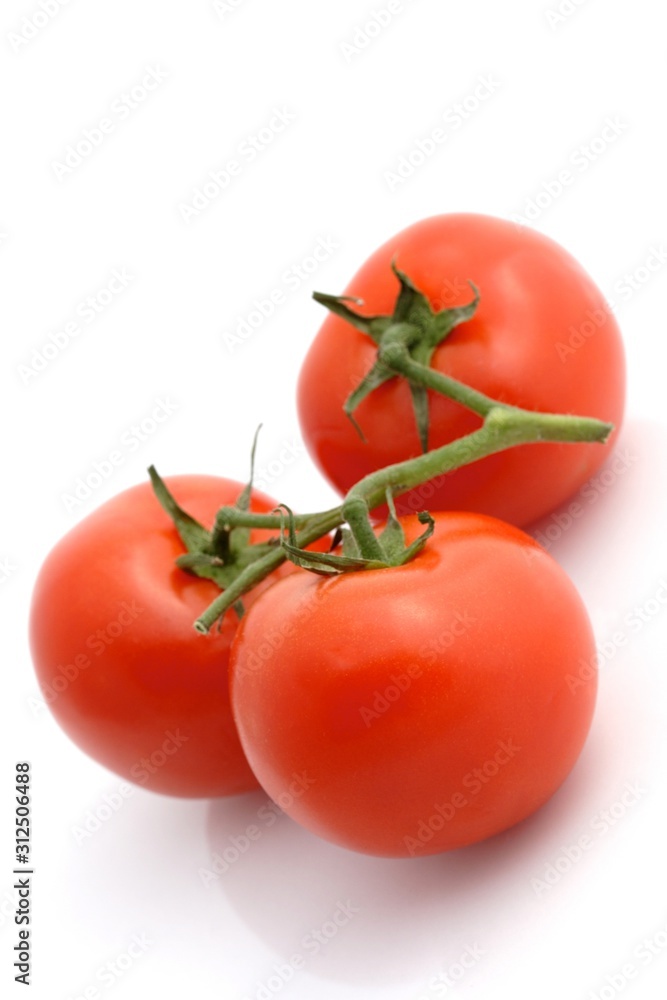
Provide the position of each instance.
(116, 656)
(427, 702)
(492, 305)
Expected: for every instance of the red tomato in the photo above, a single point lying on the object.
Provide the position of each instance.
(415, 709)
(115, 651)
(542, 338)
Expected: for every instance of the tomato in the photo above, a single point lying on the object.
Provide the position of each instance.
(115, 651)
(542, 338)
(415, 709)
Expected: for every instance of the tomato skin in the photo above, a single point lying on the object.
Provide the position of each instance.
(115, 652)
(424, 707)
(534, 296)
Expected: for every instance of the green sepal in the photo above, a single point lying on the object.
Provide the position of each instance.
(377, 376)
(324, 563)
(419, 395)
(416, 325)
(412, 306)
(220, 555)
(373, 326)
(327, 564)
(212, 567)
(194, 535)
(349, 545)
(391, 539)
(413, 550)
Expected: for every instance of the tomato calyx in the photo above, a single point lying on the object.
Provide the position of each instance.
(415, 327)
(361, 548)
(222, 554)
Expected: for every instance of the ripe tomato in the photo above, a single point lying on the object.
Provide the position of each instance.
(542, 338)
(115, 651)
(423, 707)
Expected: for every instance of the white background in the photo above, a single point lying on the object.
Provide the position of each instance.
(355, 111)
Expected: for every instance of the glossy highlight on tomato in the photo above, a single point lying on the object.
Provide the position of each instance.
(427, 706)
(542, 338)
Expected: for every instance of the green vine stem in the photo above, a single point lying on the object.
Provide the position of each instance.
(232, 517)
(504, 427)
(320, 525)
(355, 512)
(394, 354)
